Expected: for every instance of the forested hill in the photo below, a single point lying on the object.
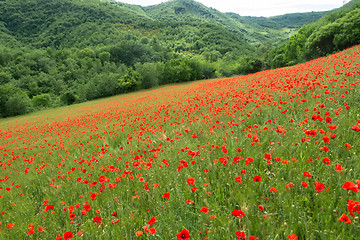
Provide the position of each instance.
(337, 30)
(65, 23)
(252, 29)
(58, 52)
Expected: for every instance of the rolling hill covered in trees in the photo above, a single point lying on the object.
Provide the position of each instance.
(335, 31)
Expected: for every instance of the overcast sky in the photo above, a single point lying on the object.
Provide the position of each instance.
(264, 8)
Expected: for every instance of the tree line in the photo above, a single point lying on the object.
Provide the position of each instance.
(33, 79)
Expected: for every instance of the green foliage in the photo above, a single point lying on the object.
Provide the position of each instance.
(252, 29)
(42, 101)
(297, 20)
(337, 35)
(5, 77)
(78, 50)
(68, 97)
(335, 31)
(150, 73)
(5, 92)
(248, 65)
(17, 104)
(130, 81)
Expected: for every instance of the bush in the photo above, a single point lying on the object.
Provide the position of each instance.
(68, 97)
(150, 74)
(41, 101)
(18, 104)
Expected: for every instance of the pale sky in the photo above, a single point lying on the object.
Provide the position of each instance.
(264, 8)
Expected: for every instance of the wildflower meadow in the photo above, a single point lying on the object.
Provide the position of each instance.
(272, 155)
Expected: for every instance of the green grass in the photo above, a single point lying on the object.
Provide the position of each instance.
(151, 142)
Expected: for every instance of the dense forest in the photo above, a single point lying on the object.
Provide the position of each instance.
(335, 31)
(61, 52)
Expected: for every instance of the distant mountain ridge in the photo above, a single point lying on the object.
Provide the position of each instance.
(58, 23)
(252, 29)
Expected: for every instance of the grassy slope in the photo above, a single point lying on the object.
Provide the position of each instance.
(163, 137)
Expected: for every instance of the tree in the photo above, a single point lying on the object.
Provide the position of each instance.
(68, 97)
(5, 77)
(42, 100)
(150, 74)
(130, 81)
(18, 104)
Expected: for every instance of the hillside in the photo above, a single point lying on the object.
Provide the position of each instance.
(271, 155)
(68, 23)
(87, 23)
(335, 31)
(61, 52)
(252, 29)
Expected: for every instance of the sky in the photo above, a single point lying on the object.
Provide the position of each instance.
(265, 8)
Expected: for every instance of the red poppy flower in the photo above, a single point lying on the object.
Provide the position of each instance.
(351, 186)
(240, 235)
(152, 221)
(333, 127)
(306, 174)
(87, 207)
(68, 235)
(339, 168)
(204, 210)
(93, 195)
(292, 237)
(49, 208)
(326, 161)
(238, 213)
(355, 128)
(326, 139)
(97, 219)
(190, 181)
(183, 235)
(319, 186)
(272, 189)
(267, 156)
(257, 178)
(152, 231)
(31, 225)
(166, 195)
(353, 206)
(102, 179)
(238, 179)
(344, 218)
(289, 185)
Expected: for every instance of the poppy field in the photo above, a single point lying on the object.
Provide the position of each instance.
(272, 155)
